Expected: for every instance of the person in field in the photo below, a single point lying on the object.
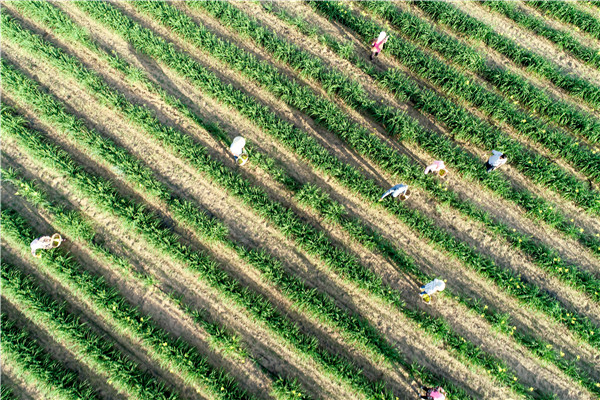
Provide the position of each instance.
(436, 167)
(431, 288)
(434, 393)
(397, 190)
(45, 243)
(377, 45)
(497, 159)
(237, 149)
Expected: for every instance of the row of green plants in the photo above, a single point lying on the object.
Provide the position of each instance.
(155, 233)
(465, 126)
(6, 389)
(292, 286)
(461, 22)
(563, 39)
(78, 228)
(517, 89)
(333, 212)
(112, 306)
(25, 354)
(66, 329)
(308, 148)
(563, 11)
(584, 279)
(298, 59)
(457, 84)
(437, 144)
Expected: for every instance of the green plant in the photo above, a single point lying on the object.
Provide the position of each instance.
(567, 13)
(51, 376)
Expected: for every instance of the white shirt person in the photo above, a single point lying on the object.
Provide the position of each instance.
(497, 159)
(395, 191)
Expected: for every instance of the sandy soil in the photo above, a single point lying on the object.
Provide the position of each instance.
(184, 179)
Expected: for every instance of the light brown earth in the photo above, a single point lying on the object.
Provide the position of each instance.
(256, 232)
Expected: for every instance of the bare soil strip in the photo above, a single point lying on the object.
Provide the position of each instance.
(526, 38)
(581, 36)
(174, 276)
(419, 336)
(493, 203)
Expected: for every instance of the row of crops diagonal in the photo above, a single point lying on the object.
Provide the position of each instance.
(563, 39)
(111, 306)
(429, 102)
(529, 246)
(259, 307)
(99, 354)
(567, 13)
(28, 358)
(79, 229)
(236, 19)
(125, 168)
(265, 119)
(308, 194)
(450, 16)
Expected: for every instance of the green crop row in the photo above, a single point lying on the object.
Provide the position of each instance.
(461, 22)
(96, 351)
(76, 227)
(519, 90)
(107, 302)
(335, 212)
(478, 131)
(161, 237)
(436, 144)
(133, 170)
(230, 16)
(466, 127)
(291, 286)
(562, 39)
(565, 12)
(372, 240)
(6, 391)
(145, 42)
(50, 375)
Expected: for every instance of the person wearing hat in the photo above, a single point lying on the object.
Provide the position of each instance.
(434, 393)
(45, 243)
(398, 190)
(436, 166)
(237, 149)
(497, 159)
(428, 290)
(377, 45)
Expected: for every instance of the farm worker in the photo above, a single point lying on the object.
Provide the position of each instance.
(434, 393)
(237, 149)
(431, 288)
(436, 166)
(45, 243)
(496, 160)
(377, 45)
(395, 191)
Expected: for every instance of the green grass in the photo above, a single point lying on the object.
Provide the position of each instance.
(47, 374)
(565, 12)
(97, 352)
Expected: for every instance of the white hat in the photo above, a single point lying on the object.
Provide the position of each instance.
(237, 146)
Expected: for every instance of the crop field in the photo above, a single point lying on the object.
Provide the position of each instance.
(186, 274)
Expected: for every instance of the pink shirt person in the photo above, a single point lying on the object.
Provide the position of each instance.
(435, 167)
(377, 45)
(437, 395)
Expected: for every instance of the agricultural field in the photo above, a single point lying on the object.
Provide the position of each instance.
(185, 275)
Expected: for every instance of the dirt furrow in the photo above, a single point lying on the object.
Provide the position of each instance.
(490, 202)
(527, 39)
(174, 276)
